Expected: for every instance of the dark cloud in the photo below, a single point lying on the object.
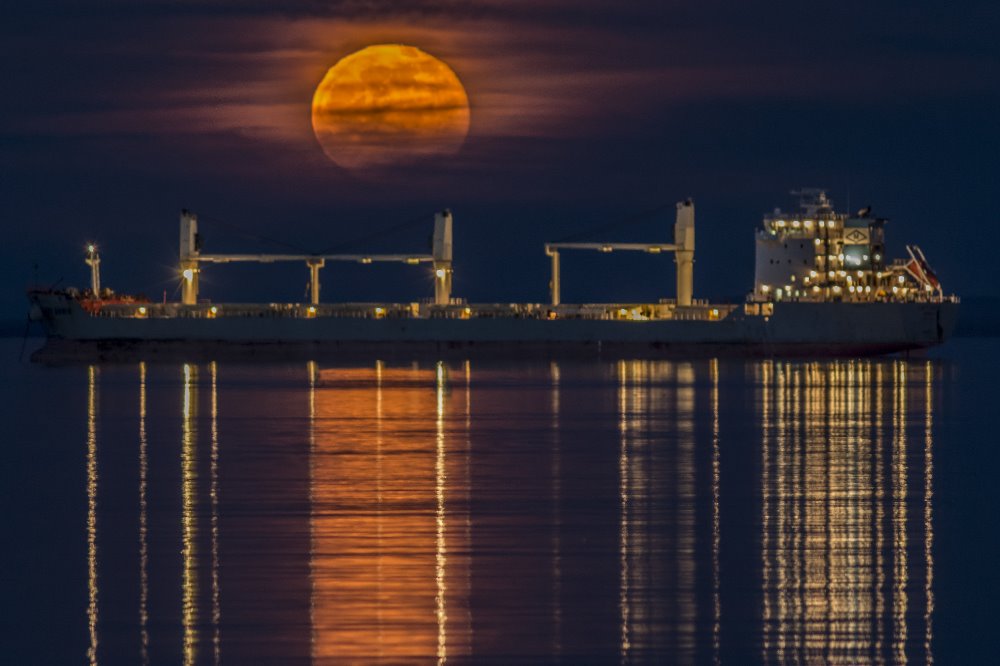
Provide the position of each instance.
(580, 111)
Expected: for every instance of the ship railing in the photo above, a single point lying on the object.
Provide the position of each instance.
(257, 310)
(912, 296)
(699, 311)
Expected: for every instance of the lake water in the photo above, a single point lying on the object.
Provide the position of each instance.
(712, 511)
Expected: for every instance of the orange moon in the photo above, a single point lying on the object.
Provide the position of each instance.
(389, 104)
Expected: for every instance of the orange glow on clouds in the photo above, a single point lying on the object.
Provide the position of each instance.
(388, 104)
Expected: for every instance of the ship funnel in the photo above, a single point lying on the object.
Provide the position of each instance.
(442, 253)
(684, 254)
(189, 257)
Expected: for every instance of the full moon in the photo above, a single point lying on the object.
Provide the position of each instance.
(389, 104)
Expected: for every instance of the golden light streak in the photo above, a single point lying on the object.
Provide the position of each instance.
(783, 563)
(311, 373)
(143, 524)
(928, 512)
(380, 504)
(189, 518)
(92, 405)
(441, 556)
(818, 512)
(824, 483)
(687, 610)
(389, 577)
(860, 526)
(214, 494)
(623, 591)
(832, 482)
(899, 541)
(716, 534)
(879, 516)
(389, 104)
(554, 406)
(658, 505)
(767, 577)
(466, 629)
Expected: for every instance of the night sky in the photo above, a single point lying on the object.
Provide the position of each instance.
(584, 114)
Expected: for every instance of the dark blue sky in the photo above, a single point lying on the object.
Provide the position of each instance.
(117, 114)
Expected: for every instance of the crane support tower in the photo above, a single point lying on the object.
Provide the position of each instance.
(442, 252)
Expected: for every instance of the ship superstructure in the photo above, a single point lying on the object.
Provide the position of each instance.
(817, 254)
(822, 287)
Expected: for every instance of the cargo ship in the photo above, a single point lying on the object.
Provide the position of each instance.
(822, 287)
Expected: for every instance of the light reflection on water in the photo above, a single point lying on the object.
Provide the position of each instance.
(389, 548)
(839, 581)
(92, 484)
(632, 512)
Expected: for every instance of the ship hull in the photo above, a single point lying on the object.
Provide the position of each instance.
(794, 329)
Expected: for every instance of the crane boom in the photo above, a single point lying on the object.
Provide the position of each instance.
(191, 256)
(682, 247)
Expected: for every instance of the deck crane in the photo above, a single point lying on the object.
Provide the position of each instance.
(682, 247)
(440, 258)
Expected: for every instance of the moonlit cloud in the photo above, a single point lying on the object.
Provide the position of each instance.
(587, 106)
(532, 69)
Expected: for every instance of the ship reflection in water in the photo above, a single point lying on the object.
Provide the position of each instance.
(635, 512)
(390, 516)
(847, 487)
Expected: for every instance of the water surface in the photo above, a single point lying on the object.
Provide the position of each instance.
(610, 512)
